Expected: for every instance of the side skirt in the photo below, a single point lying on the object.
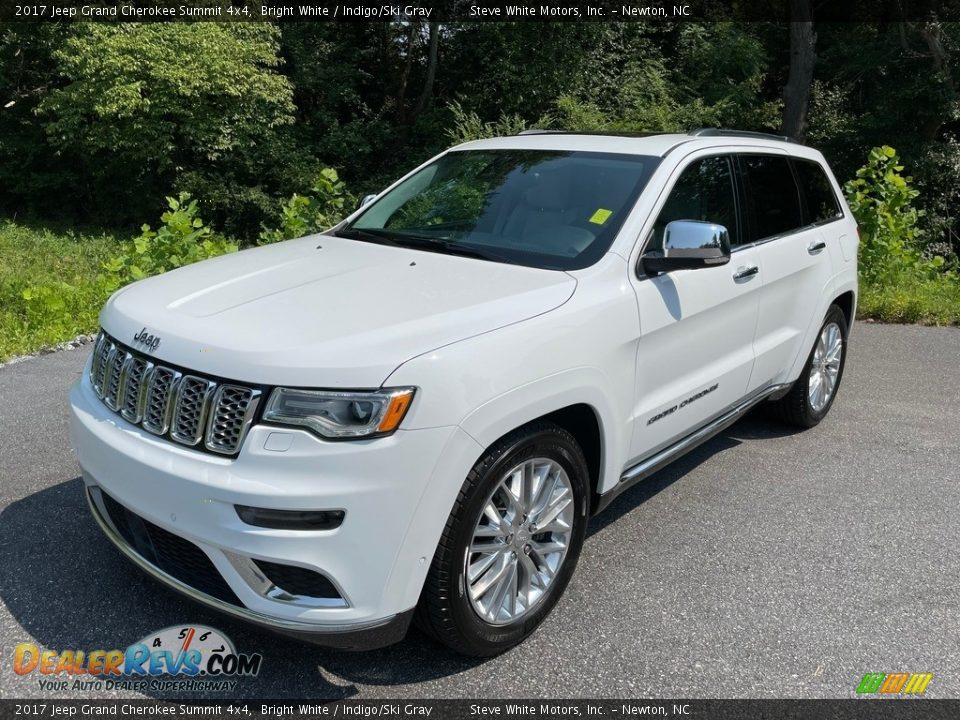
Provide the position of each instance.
(657, 461)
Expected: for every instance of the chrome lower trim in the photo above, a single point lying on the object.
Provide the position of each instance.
(264, 587)
(660, 459)
(268, 621)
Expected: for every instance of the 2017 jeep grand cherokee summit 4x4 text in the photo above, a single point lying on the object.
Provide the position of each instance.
(414, 414)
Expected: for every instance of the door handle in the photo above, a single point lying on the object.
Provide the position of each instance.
(815, 247)
(745, 271)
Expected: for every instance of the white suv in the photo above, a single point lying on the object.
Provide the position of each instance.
(414, 414)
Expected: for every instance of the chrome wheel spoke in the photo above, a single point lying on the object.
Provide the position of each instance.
(502, 592)
(493, 513)
(544, 494)
(519, 541)
(479, 567)
(486, 546)
(552, 511)
(546, 548)
(543, 567)
(527, 576)
(488, 531)
(557, 526)
(492, 577)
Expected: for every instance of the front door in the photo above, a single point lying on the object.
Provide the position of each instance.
(695, 352)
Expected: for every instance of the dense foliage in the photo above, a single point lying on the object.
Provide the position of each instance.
(100, 122)
(243, 123)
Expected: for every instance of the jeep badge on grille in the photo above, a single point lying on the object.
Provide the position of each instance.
(151, 342)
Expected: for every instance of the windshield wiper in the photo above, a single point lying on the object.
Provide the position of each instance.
(429, 243)
(373, 236)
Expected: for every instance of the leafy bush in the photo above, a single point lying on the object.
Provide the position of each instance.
(899, 281)
(181, 240)
(328, 203)
(468, 126)
(881, 199)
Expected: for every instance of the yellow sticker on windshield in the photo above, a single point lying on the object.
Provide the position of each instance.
(601, 216)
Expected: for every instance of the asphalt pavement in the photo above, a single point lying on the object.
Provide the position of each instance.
(767, 563)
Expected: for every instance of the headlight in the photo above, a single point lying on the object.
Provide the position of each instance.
(340, 415)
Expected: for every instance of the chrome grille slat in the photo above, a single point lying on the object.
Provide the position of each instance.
(160, 389)
(102, 364)
(189, 409)
(114, 377)
(233, 410)
(133, 396)
(100, 348)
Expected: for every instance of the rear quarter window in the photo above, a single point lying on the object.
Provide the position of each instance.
(820, 200)
(774, 196)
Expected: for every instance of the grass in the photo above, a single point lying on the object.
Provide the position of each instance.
(60, 272)
(912, 300)
(52, 289)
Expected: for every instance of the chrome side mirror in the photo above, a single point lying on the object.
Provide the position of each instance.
(689, 244)
(366, 200)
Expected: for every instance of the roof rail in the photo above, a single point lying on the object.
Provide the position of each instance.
(607, 133)
(724, 132)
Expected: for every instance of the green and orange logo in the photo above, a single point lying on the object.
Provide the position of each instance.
(894, 683)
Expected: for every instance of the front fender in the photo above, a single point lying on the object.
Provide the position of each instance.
(576, 386)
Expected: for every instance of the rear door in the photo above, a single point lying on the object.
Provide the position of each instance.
(695, 350)
(791, 249)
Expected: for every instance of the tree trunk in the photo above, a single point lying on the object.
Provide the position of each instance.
(431, 69)
(405, 77)
(932, 33)
(803, 58)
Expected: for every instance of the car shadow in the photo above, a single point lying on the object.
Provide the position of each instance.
(753, 426)
(68, 588)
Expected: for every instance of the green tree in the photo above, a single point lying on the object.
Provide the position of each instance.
(31, 175)
(144, 104)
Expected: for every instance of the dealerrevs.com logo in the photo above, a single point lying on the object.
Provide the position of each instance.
(894, 683)
(180, 657)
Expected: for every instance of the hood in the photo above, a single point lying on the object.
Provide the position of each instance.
(324, 311)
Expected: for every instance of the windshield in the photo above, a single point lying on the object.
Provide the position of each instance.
(543, 208)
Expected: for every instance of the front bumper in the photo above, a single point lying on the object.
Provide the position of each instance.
(396, 493)
(355, 636)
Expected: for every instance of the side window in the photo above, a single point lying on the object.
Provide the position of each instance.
(704, 191)
(774, 195)
(821, 202)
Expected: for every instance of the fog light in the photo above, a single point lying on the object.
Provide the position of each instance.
(291, 519)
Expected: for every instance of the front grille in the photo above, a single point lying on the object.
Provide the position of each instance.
(190, 409)
(298, 581)
(171, 553)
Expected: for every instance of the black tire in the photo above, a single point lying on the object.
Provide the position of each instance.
(445, 611)
(794, 408)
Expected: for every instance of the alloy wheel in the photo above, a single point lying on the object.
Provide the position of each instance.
(825, 367)
(520, 541)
